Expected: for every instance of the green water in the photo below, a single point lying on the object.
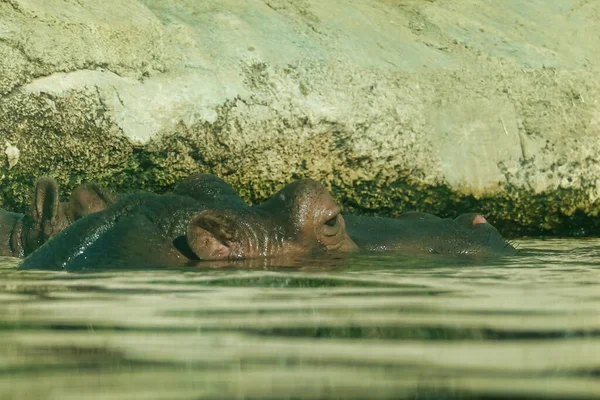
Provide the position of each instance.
(364, 327)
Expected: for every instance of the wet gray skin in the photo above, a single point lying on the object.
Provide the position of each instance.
(149, 230)
(209, 188)
(417, 233)
(21, 234)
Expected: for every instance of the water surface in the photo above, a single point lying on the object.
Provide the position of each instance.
(371, 326)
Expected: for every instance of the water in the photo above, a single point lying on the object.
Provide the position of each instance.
(366, 327)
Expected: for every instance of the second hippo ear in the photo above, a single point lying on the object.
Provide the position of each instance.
(46, 206)
(88, 199)
(470, 220)
(211, 235)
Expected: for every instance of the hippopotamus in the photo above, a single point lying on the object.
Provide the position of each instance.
(416, 233)
(21, 234)
(202, 219)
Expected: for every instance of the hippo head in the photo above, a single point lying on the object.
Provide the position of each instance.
(300, 219)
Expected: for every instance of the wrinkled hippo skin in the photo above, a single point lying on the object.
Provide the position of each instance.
(203, 218)
(21, 234)
(416, 233)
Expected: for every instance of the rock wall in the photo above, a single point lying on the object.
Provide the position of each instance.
(439, 106)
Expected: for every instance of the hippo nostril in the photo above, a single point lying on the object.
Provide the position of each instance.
(223, 226)
(184, 248)
(479, 219)
(210, 234)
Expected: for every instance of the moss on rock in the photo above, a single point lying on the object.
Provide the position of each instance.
(406, 112)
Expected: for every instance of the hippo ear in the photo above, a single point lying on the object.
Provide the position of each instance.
(88, 199)
(46, 206)
(211, 234)
(43, 218)
(469, 220)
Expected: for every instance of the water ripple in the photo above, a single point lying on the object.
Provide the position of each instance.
(365, 326)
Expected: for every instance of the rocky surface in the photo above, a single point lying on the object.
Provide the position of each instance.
(439, 106)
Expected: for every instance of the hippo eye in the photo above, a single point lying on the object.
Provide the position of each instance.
(332, 221)
(332, 226)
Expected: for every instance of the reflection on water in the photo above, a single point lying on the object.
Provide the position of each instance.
(365, 327)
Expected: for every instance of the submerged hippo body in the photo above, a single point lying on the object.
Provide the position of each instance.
(21, 234)
(415, 233)
(203, 219)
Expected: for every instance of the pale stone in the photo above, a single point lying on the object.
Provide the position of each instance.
(384, 101)
(12, 154)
